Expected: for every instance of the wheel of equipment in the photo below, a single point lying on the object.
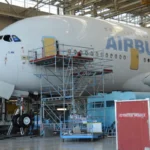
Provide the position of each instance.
(15, 120)
(25, 120)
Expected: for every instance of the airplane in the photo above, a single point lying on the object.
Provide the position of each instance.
(127, 46)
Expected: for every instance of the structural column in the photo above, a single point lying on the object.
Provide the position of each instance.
(94, 12)
(58, 12)
(3, 110)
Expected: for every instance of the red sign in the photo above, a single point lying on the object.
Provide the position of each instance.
(132, 125)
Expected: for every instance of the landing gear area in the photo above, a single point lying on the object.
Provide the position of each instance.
(23, 121)
(23, 118)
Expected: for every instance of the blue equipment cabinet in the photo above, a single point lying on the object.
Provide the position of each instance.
(101, 106)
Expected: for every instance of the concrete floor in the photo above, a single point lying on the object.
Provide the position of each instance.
(55, 143)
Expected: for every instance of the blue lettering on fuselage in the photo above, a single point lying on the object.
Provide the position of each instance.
(111, 43)
(125, 44)
(128, 44)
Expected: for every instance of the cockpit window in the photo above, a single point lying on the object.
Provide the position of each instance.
(10, 38)
(7, 38)
(15, 38)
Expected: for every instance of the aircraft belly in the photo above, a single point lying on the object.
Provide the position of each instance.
(31, 82)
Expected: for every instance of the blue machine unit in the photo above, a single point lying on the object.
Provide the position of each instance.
(36, 121)
(101, 108)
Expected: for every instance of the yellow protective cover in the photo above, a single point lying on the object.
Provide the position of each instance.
(11, 108)
(49, 47)
(134, 65)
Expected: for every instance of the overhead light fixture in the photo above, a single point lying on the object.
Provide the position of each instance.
(57, 3)
(35, 93)
(148, 25)
(12, 100)
(61, 109)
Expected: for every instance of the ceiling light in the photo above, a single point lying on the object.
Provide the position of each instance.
(61, 109)
(56, 3)
(148, 25)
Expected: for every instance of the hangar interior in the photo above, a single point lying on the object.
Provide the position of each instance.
(134, 12)
(55, 110)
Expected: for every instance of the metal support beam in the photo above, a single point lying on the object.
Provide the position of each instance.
(116, 4)
(94, 14)
(122, 11)
(38, 2)
(82, 3)
(11, 7)
(11, 15)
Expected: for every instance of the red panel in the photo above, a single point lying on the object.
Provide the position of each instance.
(133, 130)
(61, 56)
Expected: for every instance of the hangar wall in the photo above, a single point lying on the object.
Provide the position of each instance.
(5, 21)
(10, 13)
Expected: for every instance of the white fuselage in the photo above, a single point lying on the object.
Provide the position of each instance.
(113, 38)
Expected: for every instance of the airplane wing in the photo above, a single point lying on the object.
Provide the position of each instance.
(6, 89)
(140, 82)
(146, 80)
(18, 93)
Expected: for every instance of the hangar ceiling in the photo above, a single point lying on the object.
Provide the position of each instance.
(135, 12)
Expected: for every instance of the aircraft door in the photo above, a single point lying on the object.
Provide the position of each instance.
(49, 46)
(134, 63)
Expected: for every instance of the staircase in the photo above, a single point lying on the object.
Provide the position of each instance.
(51, 113)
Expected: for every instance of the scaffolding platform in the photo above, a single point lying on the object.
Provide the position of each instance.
(90, 73)
(58, 60)
(67, 73)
